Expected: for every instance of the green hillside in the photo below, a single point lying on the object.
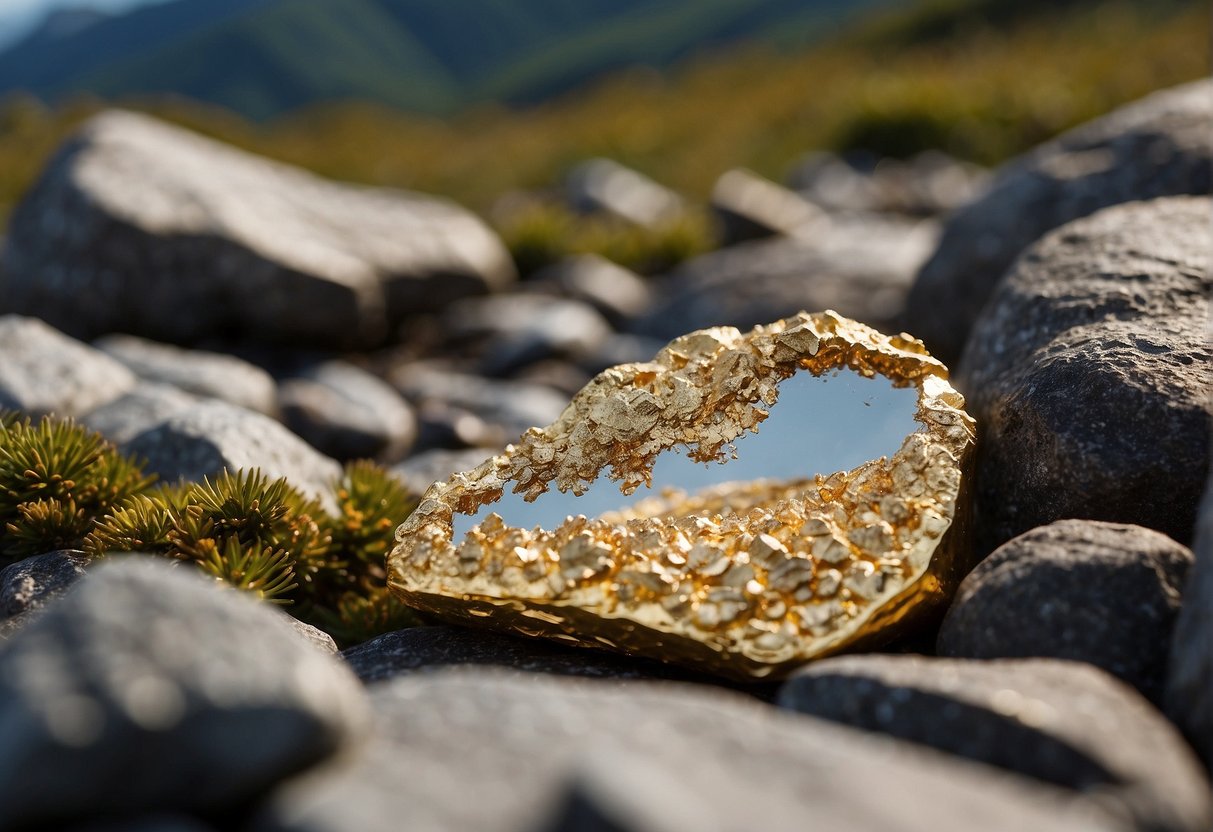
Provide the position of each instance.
(262, 58)
(959, 76)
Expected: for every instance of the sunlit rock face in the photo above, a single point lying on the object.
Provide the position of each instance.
(782, 494)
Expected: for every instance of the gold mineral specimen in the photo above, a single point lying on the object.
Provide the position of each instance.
(746, 578)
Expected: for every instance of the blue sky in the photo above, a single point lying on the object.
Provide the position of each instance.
(19, 16)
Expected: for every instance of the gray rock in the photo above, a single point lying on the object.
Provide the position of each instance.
(858, 266)
(207, 374)
(1190, 678)
(129, 415)
(314, 636)
(134, 217)
(347, 412)
(1155, 147)
(929, 184)
(421, 471)
(512, 331)
(33, 583)
(432, 648)
(621, 348)
(1041, 718)
(565, 378)
(44, 371)
(1093, 592)
(504, 408)
(489, 751)
(616, 292)
(202, 441)
(150, 688)
(749, 207)
(604, 185)
(1089, 375)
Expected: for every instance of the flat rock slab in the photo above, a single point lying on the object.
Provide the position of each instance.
(477, 749)
(1190, 677)
(43, 371)
(202, 441)
(1042, 718)
(432, 648)
(1158, 146)
(1089, 375)
(1101, 593)
(151, 688)
(861, 267)
(210, 375)
(32, 583)
(138, 226)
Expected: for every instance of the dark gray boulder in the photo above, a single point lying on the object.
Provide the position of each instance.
(43, 371)
(860, 267)
(1101, 593)
(32, 583)
(1089, 375)
(432, 648)
(483, 750)
(138, 226)
(210, 375)
(202, 441)
(151, 688)
(1041, 718)
(1158, 146)
(347, 413)
(1190, 679)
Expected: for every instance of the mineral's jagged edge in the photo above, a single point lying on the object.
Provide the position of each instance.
(794, 572)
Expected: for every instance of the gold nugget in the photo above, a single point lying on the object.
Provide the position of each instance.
(747, 579)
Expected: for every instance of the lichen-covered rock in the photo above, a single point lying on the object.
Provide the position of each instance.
(1089, 375)
(138, 226)
(208, 374)
(1190, 680)
(1158, 146)
(347, 413)
(151, 688)
(432, 648)
(1041, 718)
(33, 583)
(499, 752)
(860, 267)
(749, 207)
(44, 371)
(203, 440)
(1093, 592)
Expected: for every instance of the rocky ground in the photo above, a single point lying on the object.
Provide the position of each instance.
(205, 309)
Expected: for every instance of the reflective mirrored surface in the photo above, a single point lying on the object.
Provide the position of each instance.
(820, 424)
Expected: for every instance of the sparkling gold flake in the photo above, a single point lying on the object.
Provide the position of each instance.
(747, 580)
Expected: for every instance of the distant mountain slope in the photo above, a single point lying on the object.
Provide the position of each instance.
(264, 57)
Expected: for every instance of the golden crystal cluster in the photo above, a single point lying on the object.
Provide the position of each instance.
(748, 579)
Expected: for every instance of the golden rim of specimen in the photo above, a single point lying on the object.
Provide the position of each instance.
(748, 580)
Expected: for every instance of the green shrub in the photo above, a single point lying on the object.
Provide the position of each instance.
(62, 486)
